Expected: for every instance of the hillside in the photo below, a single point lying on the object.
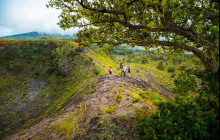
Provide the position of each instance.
(43, 78)
(38, 78)
(52, 89)
(35, 35)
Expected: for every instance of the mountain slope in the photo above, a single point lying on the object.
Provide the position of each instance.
(38, 78)
(35, 35)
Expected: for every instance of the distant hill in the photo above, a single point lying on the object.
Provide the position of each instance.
(35, 35)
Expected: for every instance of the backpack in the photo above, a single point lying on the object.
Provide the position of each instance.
(129, 68)
(109, 70)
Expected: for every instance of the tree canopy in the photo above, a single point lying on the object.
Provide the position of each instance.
(176, 26)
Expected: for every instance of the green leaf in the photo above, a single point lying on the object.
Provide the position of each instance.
(163, 2)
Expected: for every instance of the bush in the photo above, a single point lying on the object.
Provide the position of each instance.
(109, 110)
(118, 97)
(178, 121)
(187, 117)
(96, 71)
(177, 60)
(121, 65)
(160, 66)
(37, 74)
(184, 83)
(135, 97)
(171, 69)
(51, 70)
(144, 60)
(173, 75)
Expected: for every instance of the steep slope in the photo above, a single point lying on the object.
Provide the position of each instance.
(38, 78)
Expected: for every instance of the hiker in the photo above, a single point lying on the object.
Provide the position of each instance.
(110, 72)
(118, 68)
(123, 70)
(129, 70)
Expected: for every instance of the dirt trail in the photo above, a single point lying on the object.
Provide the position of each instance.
(94, 124)
(164, 90)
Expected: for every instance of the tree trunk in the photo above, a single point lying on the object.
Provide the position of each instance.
(211, 65)
(209, 62)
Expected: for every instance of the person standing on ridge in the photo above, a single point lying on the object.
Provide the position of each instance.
(129, 70)
(110, 72)
(123, 70)
(118, 68)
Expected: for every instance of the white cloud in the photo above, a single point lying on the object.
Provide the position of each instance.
(5, 31)
(30, 15)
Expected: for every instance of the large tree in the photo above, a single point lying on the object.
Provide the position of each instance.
(177, 26)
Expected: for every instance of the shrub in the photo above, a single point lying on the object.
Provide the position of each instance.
(187, 117)
(184, 83)
(37, 74)
(121, 65)
(135, 97)
(160, 66)
(171, 69)
(109, 110)
(181, 120)
(152, 96)
(173, 75)
(121, 89)
(144, 60)
(96, 71)
(50, 70)
(118, 97)
(177, 60)
(113, 90)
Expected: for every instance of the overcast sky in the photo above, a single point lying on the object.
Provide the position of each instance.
(21, 16)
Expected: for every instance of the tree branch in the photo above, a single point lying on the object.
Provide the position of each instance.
(100, 10)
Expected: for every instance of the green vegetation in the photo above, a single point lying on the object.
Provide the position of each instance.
(118, 97)
(135, 97)
(161, 66)
(68, 127)
(185, 82)
(109, 110)
(171, 69)
(121, 89)
(169, 25)
(188, 116)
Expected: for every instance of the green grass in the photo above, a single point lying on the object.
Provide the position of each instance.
(152, 96)
(69, 125)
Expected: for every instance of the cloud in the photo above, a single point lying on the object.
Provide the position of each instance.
(29, 15)
(5, 31)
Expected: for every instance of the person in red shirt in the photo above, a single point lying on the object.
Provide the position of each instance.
(110, 72)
